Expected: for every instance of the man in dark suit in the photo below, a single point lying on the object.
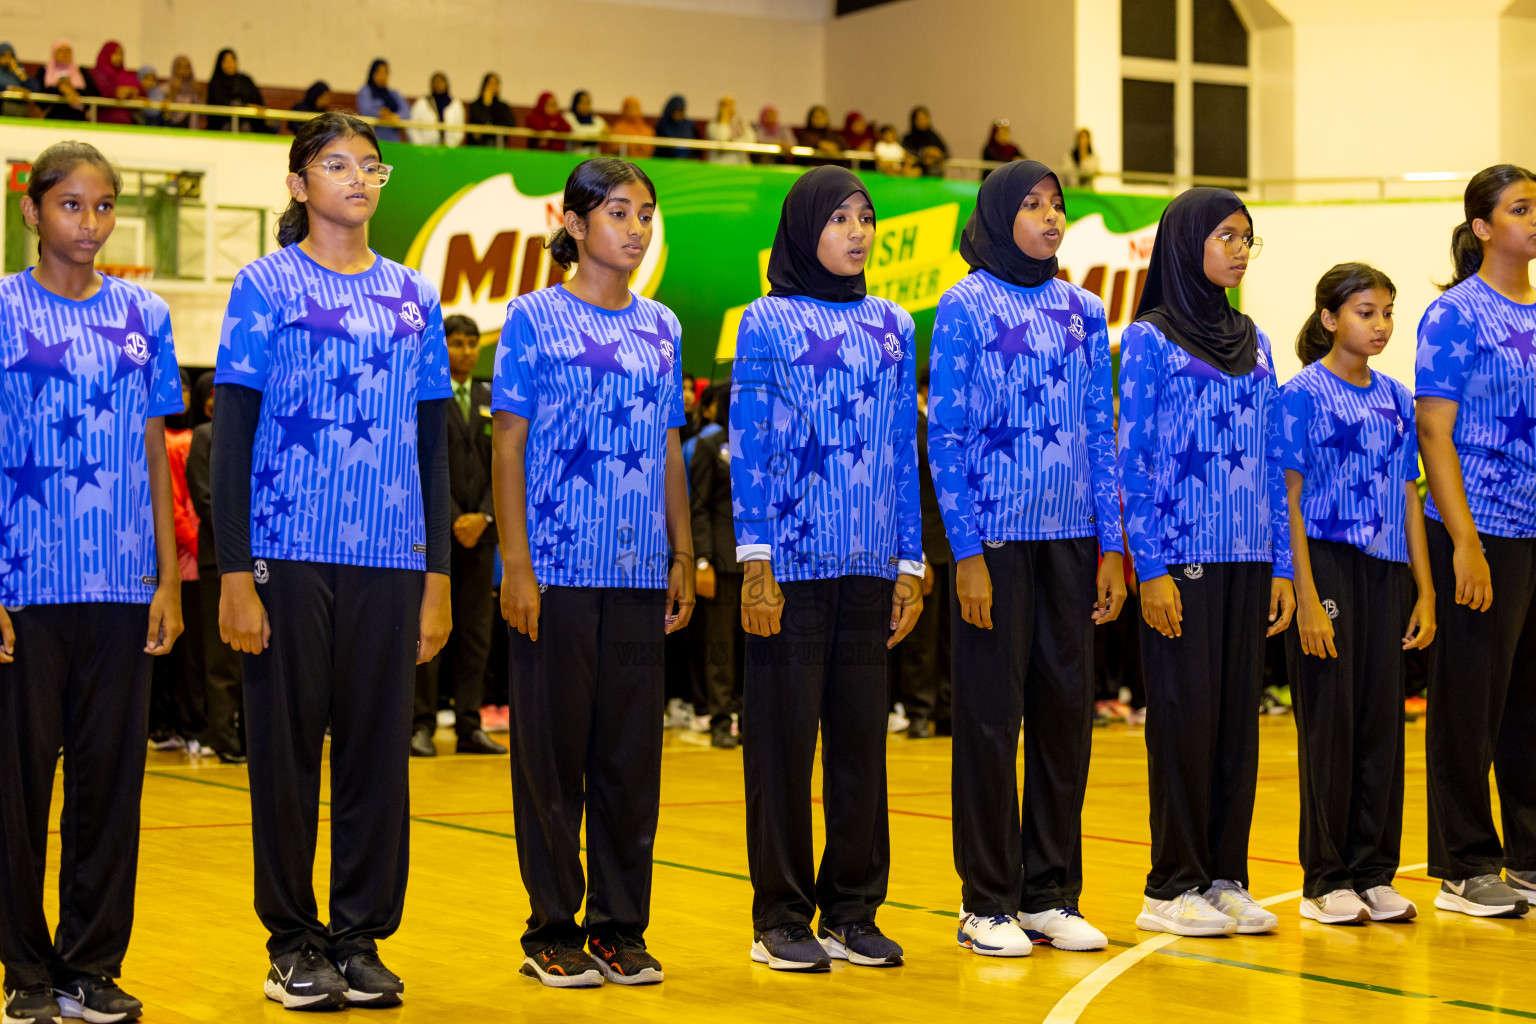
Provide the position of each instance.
(719, 574)
(474, 551)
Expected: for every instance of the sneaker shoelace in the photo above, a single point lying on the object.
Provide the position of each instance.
(1069, 912)
(1239, 895)
(1189, 903)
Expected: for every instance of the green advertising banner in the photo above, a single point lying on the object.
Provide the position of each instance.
(474, 221)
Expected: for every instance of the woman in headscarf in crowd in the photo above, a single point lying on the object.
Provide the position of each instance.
(12, 76)
(1082, 163)
(674, 123)
(490, 108)
(727, 127)
(181, 87)
(857, 133)
(61, 75)
(317, 99)
(1000, 145)
(377, 99)
(228, 86)
(439, 105)
(585, 123)
(115, 82)
(819, 134)
(925, 144)
(771, 130)
(546, 116)
(632, 122)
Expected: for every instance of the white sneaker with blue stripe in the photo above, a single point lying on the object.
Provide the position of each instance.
(1064, 928)
(992, 935)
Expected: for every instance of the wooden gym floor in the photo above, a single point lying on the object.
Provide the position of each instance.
(197, 953)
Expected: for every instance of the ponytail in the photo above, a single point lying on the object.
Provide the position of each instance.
(1314, 341)
(1333, 290)
(586, 189)
(293, 225)
(1478, 203)
(309, 138)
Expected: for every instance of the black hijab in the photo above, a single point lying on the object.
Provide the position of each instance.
(793, 267)
(987, 243)
(312, 98)
(1179, 300)
(380, 93)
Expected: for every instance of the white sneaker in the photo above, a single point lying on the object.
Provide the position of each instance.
(1064, 928)
(1238, 904)
(996, 935)
(896, 720)
(1387, 904)
(1341, 906)
(1185, 914)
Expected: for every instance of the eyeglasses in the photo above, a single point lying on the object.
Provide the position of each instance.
(1235, 244)
(344, 172)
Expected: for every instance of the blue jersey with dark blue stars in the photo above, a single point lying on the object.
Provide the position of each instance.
(600, 388)
(1478, 348)
(80, 380)
(1021, 441)
(824, 439)
(341, 361)
(1355, 448)
(1199, 464)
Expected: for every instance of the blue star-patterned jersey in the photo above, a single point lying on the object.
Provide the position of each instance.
(80, 380)
(600, 388)
(341, 361)
(824, 467)
(1021, 441)
(1478, 348)
(1199, 466)
(1355, 449)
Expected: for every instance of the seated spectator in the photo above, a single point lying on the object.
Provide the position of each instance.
(377, 99)
(113, 81)
(440, 106)
(490, 108)
(62, 76)
(728, 127)
(317, 99)
(632, 122)
(1082, 163)
(925, 144)
(819, 135)
(181, 88)
(154, 91)
(228, 86)
(891, 157)
(771, 130)
(13, 78)
(675, 124)
(546, 116)
(585, 123)
(857, 134)
(1000, 145)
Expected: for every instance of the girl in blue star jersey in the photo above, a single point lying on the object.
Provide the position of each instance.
(331, 518)
(87, 556)
(596, 537)
(1476, 392)
(824, 473)
(1351, 467)
(1206, 520)
(1022, 448)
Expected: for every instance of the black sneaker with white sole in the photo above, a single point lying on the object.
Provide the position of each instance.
(33, 1004)
(625, 962)
(791, 947)
(860, 943)
(562, 965)
(369, 982)
(305, 980)
(97, 1000)
(1481, 896)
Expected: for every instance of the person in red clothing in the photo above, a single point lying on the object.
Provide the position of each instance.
(115, 81)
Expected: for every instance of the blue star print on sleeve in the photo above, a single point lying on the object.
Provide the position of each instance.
(80, 382)
(601, 389)
(1478, 349)
(1199, 458)
(342, 361)
(823, 439)
(1021, 440)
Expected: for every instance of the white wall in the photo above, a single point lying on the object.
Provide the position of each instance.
(1517, 64)
(1096, 77)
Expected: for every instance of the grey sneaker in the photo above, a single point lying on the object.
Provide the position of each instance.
(1481, 896)
(1238, 904)
(1523, 882)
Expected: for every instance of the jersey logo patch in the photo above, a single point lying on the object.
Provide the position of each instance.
(1331, 608)
(259, 571)
(411, 314)
(136, 347)
(892, 345)
(1194, 570)
(994, 544)
(1075, 327)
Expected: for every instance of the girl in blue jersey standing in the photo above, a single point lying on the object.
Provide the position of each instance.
(89, 588)
(330, 500)
(1476, 392)
(1205, 515)
(592, 506)
(1022, 450)
(823, 426)
(1351, 461)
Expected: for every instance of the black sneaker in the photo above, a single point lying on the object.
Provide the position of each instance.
(305, 980)
(34, 1004)
(860, 943)
(720, 735)
(369, 982)
(97, 1000)
(625, 962)
(790, 948)
(562, 966)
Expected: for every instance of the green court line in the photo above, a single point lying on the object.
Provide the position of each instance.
(1490, 1009)
(200, 782)
(1300, 975)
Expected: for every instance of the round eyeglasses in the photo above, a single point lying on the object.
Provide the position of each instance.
(345, 172)
(1235, 243)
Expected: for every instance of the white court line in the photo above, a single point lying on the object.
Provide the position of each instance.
(1071, 1006)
